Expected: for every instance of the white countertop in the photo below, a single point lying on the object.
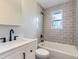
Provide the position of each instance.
(4, 47)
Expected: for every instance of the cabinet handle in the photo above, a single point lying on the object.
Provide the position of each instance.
(31, 50)
(24, 55)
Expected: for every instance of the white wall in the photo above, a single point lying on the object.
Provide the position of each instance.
(9, 11)
(39, 22)
(30, 15)
(30, 18)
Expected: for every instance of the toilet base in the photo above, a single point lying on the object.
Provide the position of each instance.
(42, 54)
(41, 58)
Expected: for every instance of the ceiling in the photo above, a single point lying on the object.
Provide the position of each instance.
(50, 3)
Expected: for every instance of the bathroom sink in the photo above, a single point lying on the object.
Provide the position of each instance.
(14, 44)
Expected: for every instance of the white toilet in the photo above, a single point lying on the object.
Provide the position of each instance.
(42, 53)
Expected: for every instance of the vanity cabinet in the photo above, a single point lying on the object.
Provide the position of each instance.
(30, 52)
(10, 11)
(26, 51)
(17, 55)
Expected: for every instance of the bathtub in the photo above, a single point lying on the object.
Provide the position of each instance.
(60, 51)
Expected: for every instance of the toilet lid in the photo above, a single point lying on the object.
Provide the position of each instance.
(41, 51)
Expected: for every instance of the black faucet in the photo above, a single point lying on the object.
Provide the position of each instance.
(15, 37)
(11, 31)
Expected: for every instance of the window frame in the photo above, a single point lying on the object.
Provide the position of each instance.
(53, 20)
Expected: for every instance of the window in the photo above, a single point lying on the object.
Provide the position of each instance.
(57, 19)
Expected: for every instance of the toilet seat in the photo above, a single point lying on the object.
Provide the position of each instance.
(42, 53)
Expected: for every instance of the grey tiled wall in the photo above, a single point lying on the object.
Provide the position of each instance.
(66, 34)
(75, 23)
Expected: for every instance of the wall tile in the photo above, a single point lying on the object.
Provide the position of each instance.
(65, 35)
